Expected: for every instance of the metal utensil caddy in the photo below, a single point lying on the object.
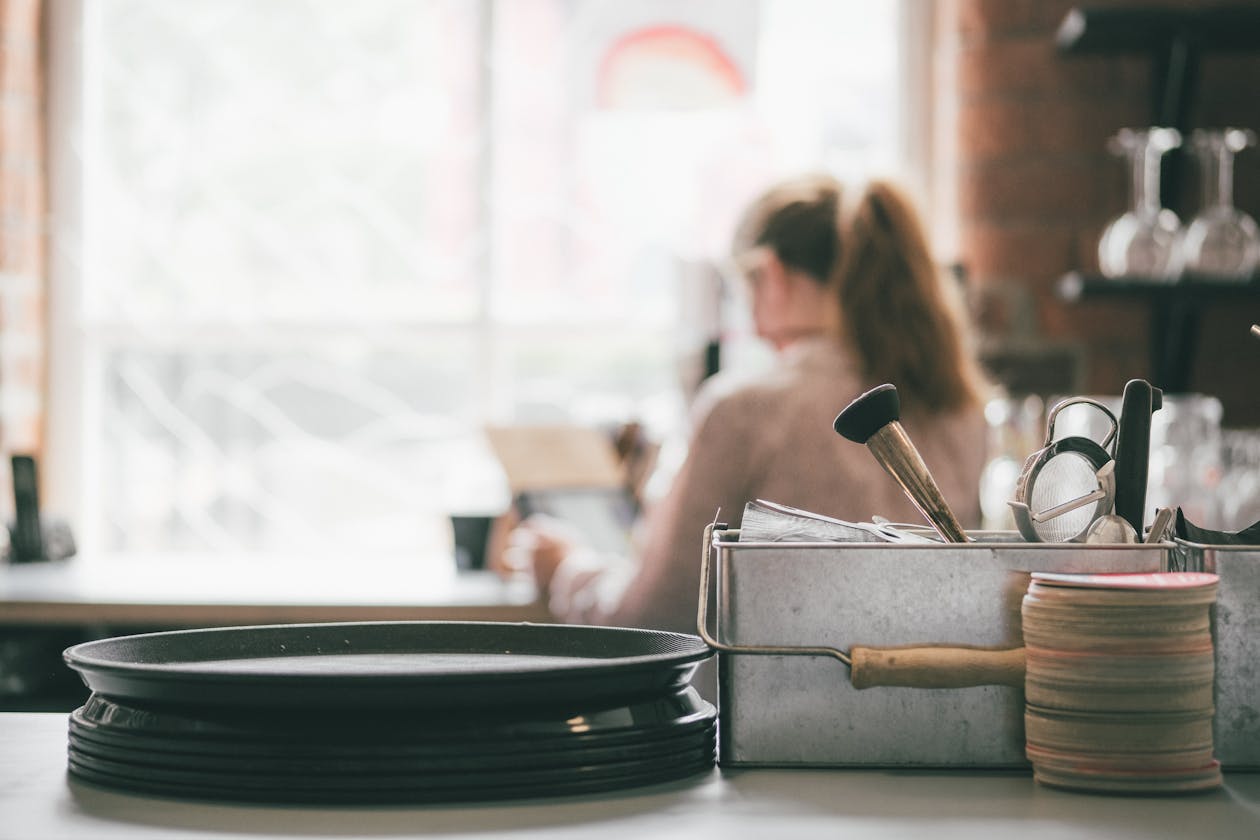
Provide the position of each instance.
(1236, 641)
(785, 613)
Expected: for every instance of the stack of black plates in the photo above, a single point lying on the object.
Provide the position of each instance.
(390, 712)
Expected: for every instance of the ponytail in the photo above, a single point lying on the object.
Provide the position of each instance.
(904, 324)
(903, 321)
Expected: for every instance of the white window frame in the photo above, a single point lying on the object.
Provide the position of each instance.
(64, 471)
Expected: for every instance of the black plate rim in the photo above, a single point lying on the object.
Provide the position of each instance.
(77, 657)
(167, 681)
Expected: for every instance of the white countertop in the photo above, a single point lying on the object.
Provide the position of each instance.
(38, 802)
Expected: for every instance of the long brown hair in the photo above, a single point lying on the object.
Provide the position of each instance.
(897, 311)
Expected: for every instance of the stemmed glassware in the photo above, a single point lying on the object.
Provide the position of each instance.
(1221, 241)
(1143, 241)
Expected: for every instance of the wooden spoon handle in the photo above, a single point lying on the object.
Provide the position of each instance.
(929, 666)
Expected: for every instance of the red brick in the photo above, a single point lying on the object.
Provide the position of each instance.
(1000, 252)
(1117, 320)
(1080, 126)
(19, 78)
(1033, 190)
(993, 129)
(987, 19)
(23, 313)
(1110, 365)
(1031, 66)
(1016, 65)
(999, 309)
(26, 372)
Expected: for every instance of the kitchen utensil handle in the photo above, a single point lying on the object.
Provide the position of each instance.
(892, 447)
(1133, 451)
(1106, 412)
(702, 616)
(930, 666)
(873, 419)
(920, 666)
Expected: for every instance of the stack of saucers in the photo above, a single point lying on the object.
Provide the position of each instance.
(390, 712)
(1119, 682)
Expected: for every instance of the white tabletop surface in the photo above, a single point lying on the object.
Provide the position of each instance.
(38, 802)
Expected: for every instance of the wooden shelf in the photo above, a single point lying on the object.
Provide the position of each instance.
(1174, 308)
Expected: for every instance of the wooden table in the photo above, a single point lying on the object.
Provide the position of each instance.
(155, 591)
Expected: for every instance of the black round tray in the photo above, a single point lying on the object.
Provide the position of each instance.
(417, 665)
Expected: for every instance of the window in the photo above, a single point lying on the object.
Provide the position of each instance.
(304, 249)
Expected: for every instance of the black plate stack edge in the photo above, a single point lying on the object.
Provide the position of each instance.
(390, 712)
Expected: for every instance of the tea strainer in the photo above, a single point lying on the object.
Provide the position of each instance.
(1067, 484)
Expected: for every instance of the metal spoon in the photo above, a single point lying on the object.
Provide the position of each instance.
(1111, 529)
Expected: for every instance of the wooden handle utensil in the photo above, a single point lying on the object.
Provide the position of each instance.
(930, 666)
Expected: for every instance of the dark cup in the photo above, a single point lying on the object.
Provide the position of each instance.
(472, 533)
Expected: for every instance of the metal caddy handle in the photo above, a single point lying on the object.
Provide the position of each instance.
(912, 666)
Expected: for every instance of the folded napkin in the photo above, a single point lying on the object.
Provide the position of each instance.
(1187, 530)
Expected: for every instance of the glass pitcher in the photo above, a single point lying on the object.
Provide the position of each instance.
(1143, 241)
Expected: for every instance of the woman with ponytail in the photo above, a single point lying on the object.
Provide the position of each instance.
(842, 284)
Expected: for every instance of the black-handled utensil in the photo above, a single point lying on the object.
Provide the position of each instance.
(874, 419)
(1133, 450)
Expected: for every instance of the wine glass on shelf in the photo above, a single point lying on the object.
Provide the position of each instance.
(1221, 241)
(1142, 242)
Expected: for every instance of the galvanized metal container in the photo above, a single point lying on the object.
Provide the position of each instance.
(782, 707)
(1236, 640)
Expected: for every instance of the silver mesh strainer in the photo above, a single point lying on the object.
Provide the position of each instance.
(1067, 484)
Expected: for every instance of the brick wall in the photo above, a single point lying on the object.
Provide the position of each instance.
(22, 229)
(1035, 186)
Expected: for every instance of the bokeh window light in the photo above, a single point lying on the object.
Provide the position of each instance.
(324, 243)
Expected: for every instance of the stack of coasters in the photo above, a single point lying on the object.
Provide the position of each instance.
(1119, 681)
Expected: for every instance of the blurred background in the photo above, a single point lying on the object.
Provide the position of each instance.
(270, 268)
